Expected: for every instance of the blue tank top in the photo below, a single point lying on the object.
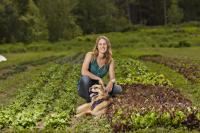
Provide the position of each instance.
(96, 70)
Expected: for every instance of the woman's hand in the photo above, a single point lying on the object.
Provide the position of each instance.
(109, 86)
(101, 82)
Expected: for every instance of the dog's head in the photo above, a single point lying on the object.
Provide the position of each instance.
(96, 90)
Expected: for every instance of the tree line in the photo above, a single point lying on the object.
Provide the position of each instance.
(54, 20)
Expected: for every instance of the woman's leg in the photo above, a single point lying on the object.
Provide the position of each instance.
(117, 89)
(83, 87)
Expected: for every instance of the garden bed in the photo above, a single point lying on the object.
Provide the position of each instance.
(143, 106)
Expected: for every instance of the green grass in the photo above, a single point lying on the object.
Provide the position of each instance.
(190, 53)
(17, 58)
(157, 36)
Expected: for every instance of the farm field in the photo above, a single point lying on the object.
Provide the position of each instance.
(157, 67)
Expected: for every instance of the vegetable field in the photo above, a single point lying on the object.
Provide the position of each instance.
(158, 69)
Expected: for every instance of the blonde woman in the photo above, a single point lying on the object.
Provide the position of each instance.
(96, 65)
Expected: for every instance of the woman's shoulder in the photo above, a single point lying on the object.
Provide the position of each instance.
(89, 55)
(111, 61)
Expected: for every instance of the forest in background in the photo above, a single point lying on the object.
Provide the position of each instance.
(33, 20)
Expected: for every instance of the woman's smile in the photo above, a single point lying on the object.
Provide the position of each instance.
(102, 46)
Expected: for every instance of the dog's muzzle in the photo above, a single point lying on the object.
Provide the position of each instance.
(92, 94)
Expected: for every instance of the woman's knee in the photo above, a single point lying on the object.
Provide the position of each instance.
(85, 80)
(117, 89)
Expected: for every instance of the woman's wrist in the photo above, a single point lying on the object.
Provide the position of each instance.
(99, 79)
(109, 86)
(112, 80)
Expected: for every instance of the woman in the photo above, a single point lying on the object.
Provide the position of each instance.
(95, 66)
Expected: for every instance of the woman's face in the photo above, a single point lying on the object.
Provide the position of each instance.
(102, 46)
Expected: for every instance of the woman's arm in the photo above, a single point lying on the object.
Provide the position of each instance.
(85, 67)
(111, 76)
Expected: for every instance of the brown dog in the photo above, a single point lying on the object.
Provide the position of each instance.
(99, 102)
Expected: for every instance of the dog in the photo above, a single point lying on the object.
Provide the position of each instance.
(100, 100)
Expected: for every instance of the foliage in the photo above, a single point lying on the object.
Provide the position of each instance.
(9, 21)
(178, 81)
(138, 120)
(33, 20)
(109, 17)
(32, 25)
(60, 21)
(184, 44)
(21, 22)
(190, 10)
(189, 68)
(175, 14)
(131, 71)
(43, 101)
(55, 114)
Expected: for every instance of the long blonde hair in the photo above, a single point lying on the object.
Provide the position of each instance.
(108, 53)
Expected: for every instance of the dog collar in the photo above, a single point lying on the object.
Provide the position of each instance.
(96, 103)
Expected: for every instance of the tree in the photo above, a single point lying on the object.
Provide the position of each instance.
(126, 5)
(8, 21)
(32, 24)
(191, 10)
(60, 21)
(175, 14)
(147, 12)
(21, 20)
(97, 16)
(165, 11)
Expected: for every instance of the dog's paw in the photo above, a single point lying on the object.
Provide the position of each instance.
(77, 116)
(99, 116)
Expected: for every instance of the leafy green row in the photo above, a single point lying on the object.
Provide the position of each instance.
(131, 71)
(50, 100)
(24, 97)
(65, 105)
(138, 120)
(29, 117)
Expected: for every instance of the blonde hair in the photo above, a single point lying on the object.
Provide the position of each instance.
(108, 53)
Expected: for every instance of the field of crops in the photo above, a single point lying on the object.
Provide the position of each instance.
(158, 69)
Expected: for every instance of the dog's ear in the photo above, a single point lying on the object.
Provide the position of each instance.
(90, 88)
(103, 88)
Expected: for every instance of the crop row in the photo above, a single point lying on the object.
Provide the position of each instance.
(137, 120)
(64, 106)
(190, 69)
(143, 106)
(148, 100)
(45, 101)
(40, 103)
(131, 71)
(24, 97)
